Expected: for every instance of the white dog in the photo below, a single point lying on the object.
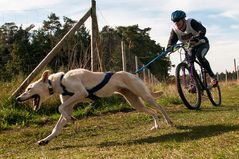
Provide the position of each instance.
(82, 85)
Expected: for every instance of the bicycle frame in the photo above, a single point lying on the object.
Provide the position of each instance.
(201, 80)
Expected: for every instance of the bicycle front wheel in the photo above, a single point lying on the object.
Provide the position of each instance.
(188, 87)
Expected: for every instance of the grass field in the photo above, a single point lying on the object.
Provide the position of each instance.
(212, 132)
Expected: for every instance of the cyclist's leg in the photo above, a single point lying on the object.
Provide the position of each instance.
(192, 57)
(201, 52)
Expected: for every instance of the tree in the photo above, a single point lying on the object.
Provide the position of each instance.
(111, 48)
(140, 44)
(7, 32)
(20, 53)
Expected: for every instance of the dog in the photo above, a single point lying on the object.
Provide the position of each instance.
(81, 85)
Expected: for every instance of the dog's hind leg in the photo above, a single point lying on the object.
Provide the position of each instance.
(135, 102)
(138, 88)
(151, 101)
(145, 95)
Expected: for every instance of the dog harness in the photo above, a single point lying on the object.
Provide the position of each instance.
(91, 91)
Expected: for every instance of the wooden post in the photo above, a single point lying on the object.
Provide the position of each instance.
(51, 54)
(152, 78)
(148, 76)
(235, 67)
(226, 77)
(237, 74)
(96, 52)
(123, 56)
(136, 64)
(144, 74)
(93, 34)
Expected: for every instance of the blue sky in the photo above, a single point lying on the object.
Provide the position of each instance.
(221, 18)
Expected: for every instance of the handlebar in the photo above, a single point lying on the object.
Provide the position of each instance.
(174, 48)
(185, 45)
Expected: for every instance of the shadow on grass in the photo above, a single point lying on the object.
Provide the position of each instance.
(68, 147)
(190, 133)
(222, 108)
(203, 108)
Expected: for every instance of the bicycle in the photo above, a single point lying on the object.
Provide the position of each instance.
(193, 80)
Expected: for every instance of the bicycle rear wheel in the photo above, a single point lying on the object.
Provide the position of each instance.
(214, 93)
(188, 87)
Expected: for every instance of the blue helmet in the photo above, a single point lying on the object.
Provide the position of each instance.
(178, 15)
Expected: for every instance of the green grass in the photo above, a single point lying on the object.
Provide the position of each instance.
(211, 132)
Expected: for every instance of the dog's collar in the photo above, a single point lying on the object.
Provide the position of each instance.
(50, 88)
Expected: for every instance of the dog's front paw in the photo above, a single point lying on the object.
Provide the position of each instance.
(154, 127)
(42, 142)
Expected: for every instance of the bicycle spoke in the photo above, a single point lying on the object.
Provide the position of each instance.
(214, 93)
(187, 87)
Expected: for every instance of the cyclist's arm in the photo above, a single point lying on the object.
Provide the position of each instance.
(199, 28)
(173, 38)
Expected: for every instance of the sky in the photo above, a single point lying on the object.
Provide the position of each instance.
(221, 18)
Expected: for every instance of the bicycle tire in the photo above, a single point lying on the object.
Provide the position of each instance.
(214, 93)
(184, 81)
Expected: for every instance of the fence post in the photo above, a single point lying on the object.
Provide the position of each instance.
(144, 74)
(226, 77)
(123, 56)
(95, 42)
(237, 74)
(136, 64)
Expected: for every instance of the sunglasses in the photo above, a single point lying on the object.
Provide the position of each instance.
(177, 20)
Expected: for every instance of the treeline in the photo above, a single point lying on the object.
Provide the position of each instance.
(227, 76)
(21, 49)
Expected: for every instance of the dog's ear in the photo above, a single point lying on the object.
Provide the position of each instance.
(44, 76)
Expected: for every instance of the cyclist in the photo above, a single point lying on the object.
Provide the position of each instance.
(191, 30)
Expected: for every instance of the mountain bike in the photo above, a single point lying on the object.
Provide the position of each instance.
(193, 81)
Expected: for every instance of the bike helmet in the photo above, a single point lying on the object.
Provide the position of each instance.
(178, 15)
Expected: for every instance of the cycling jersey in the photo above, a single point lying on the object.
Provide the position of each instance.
(193, 28)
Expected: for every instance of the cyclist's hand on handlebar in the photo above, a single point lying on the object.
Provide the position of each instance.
(194, 39)
(169, 48)
(173, 48)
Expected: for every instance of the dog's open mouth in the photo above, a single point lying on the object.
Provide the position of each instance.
(36, 102)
